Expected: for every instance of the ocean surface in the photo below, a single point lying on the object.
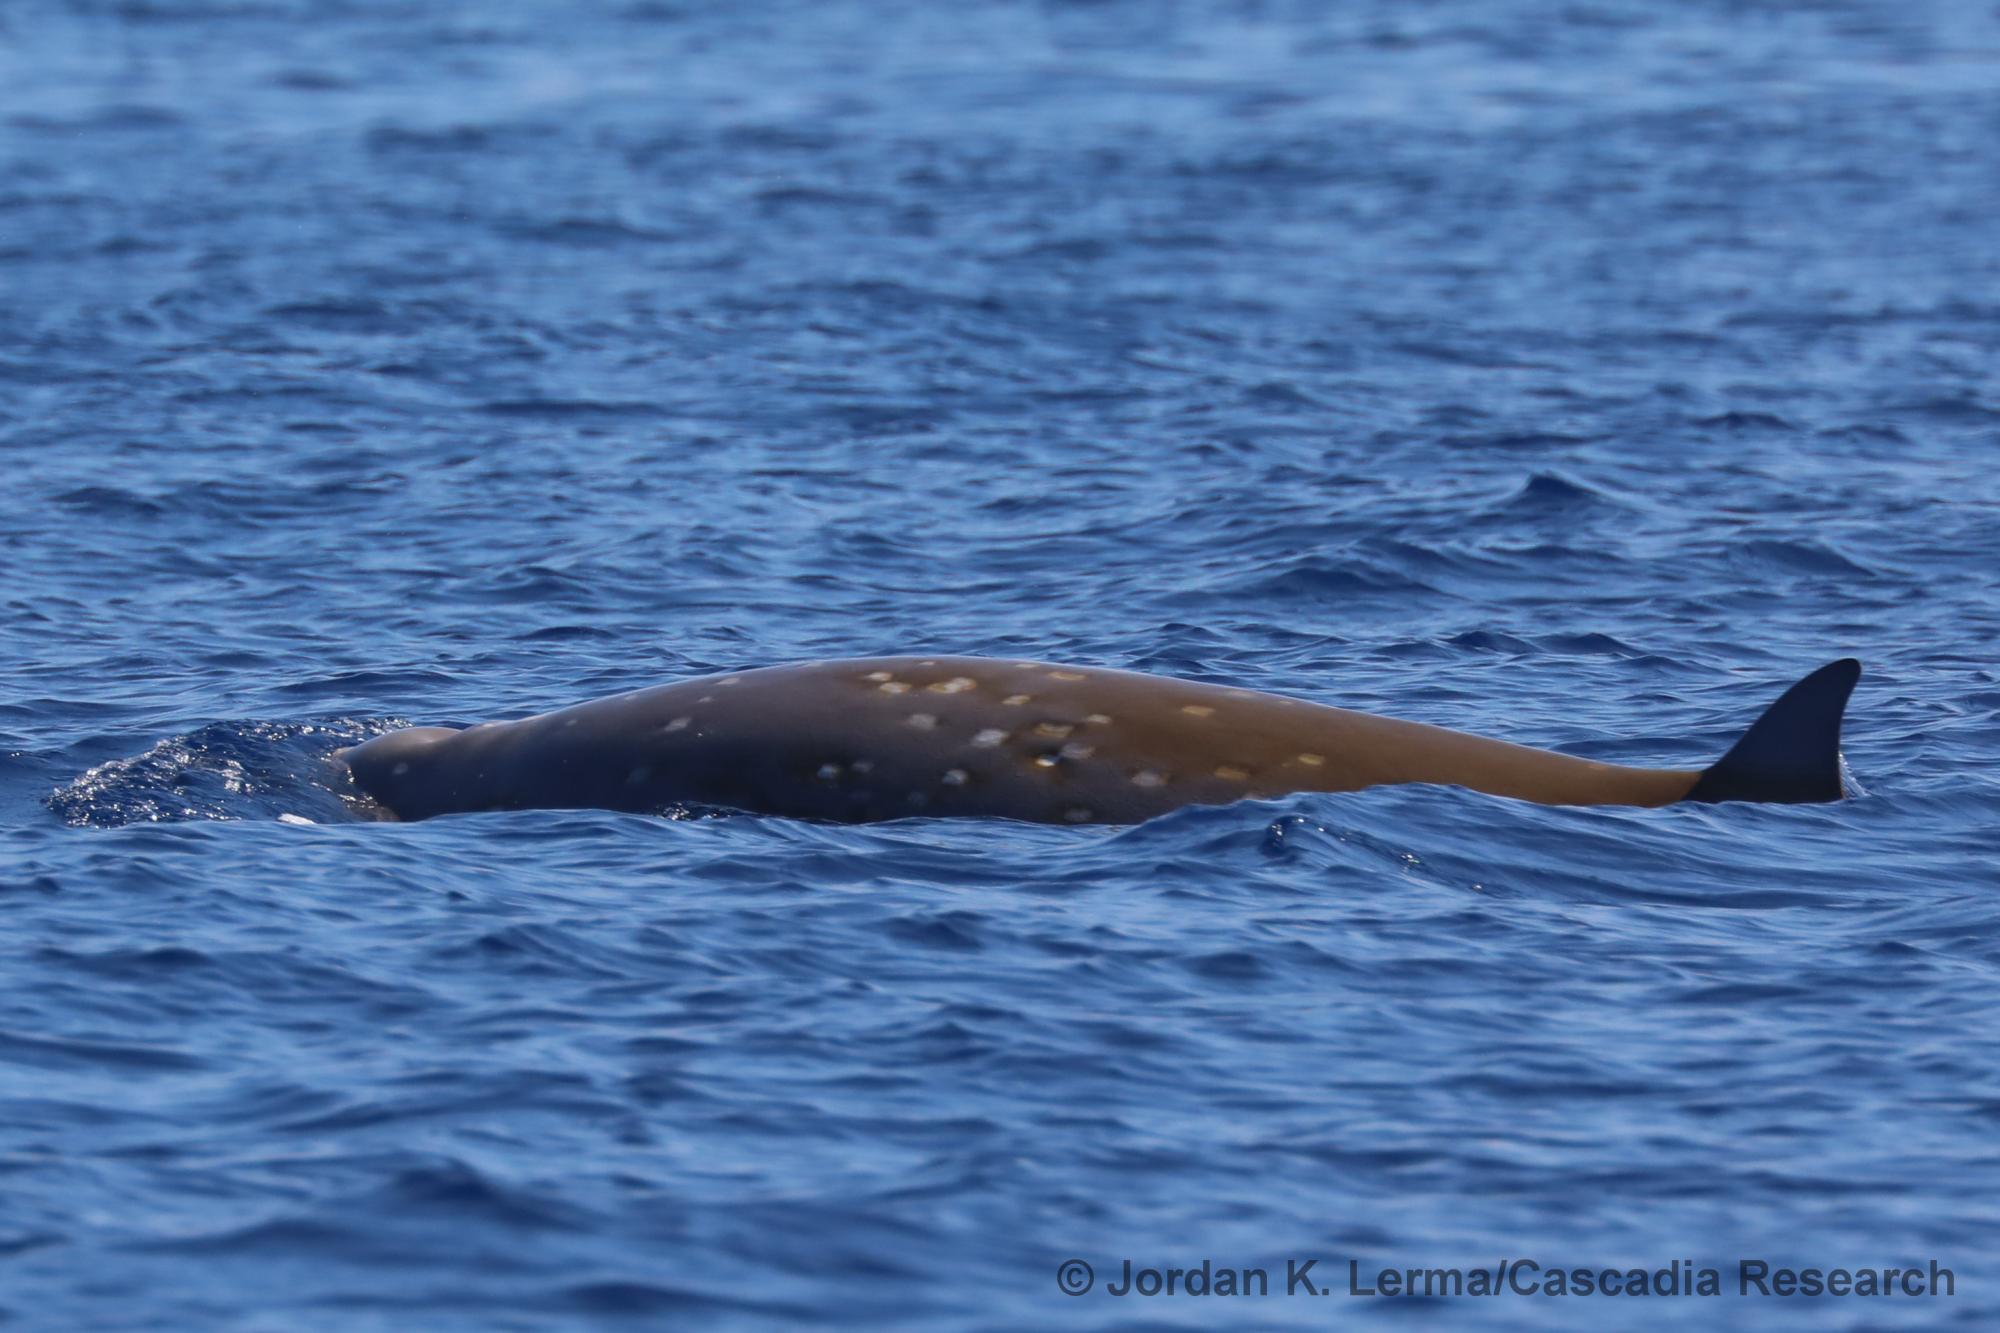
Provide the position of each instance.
(1580, 375)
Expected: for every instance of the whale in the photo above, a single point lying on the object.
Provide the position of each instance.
(880, 738)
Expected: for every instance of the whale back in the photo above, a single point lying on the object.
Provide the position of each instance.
(868, 739)
(395, 771)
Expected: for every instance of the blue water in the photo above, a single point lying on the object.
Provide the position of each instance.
(1579, 375)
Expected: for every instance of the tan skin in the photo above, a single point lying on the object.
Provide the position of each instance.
(882, 738)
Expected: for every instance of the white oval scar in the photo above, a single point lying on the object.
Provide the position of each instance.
(1067, 675)
(923, 721)
(1056, 730)
(989, 738)
(1197, 710)
(1078, 750)
(572, 722)
(1098, 719)
(863, 765)
(1016, 700)
(829, 772)
(730, 680)
(400, 769)
(928, 661)
(954, 777)
(1076, 814)
(894, 687)
(1147, 777)
(678, 724)
(1045, 761)
(1232, 772)
(1312, 760)
(956, 685)
(879, 675)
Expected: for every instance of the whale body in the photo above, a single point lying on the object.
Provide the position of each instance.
(891, 737)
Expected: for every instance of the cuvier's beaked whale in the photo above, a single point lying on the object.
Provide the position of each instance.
(890, 737)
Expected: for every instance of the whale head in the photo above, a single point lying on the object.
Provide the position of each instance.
(394, 769)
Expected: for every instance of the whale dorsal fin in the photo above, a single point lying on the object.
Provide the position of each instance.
(1792, 753)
